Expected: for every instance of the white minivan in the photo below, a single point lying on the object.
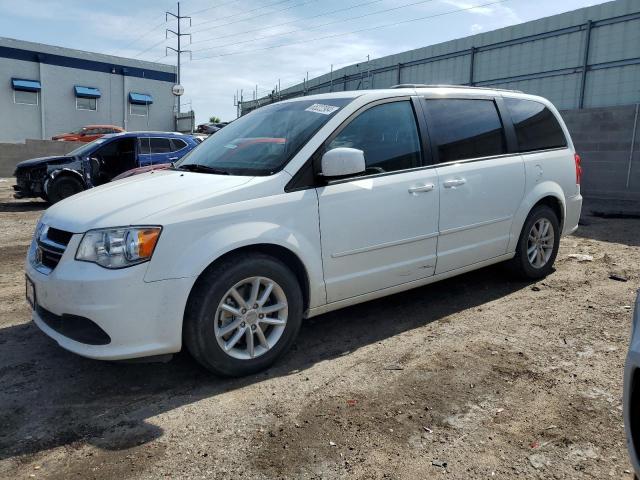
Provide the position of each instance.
(302, 207)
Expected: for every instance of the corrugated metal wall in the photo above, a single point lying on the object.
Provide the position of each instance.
(585, 58)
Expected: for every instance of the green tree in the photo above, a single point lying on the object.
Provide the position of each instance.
(214, 119)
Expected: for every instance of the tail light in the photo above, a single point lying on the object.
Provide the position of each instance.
(578, 168)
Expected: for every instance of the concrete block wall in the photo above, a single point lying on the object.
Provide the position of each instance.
(602, 137)
(12, 153)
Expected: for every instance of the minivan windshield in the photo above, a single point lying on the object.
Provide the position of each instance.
(86, 148)
(263, 141)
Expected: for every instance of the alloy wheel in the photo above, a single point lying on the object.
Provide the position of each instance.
(540, 243)
(251, 318)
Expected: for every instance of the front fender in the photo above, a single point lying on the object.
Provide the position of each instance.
(540, 191)
(187, 249)
(51, 176)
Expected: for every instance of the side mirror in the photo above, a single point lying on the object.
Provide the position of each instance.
(342, 161)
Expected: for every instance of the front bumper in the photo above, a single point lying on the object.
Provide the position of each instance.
(631, 402)
(140, 318)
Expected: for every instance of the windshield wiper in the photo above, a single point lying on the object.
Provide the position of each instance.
(196, 167)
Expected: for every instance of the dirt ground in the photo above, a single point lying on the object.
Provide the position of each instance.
(474, 377)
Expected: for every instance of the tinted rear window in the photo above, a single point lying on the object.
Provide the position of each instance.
(465, 129)
(537, 128)
(159, 145)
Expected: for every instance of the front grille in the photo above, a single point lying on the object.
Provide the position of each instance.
(49, 256)
(59, 236)
(51, 246)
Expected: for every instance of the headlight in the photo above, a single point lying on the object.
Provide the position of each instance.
(118, 247)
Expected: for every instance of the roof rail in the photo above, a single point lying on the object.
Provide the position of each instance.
(424, 85)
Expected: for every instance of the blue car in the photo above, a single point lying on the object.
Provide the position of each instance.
(98, 162)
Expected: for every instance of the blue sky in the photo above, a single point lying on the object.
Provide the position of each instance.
(238, 43)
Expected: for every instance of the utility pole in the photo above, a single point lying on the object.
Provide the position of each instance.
(179, 36)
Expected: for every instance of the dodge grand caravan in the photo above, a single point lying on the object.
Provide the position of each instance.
(302, 207)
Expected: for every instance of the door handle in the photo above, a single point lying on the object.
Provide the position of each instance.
(421, 188)
(173, 158)
(456, 182)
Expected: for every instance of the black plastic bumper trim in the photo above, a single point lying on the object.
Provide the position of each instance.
(80, 329)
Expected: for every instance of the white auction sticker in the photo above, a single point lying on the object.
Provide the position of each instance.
(323, 109)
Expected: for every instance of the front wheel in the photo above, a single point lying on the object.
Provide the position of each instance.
(63, 187)
(243, 314)
(538, 244)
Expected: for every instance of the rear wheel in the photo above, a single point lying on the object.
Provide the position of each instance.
(62, 187)
(243, 314)
(538, 244)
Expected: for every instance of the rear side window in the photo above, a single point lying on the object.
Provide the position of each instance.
(537, 128)
(177, 144)
(159, 145)
(388, 136)
(144, 145)
(464, 129)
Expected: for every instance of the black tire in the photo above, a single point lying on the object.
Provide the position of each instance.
(520, 264)
(63, 187)
(208, 293)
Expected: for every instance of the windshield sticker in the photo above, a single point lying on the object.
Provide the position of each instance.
(323, 109)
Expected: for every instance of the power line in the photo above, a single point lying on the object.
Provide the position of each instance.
(350, 33)
(315, 27)
(137, 39)
(289, 22)
(249, 18)
(214, 7)
(143, 35)
(150, 48)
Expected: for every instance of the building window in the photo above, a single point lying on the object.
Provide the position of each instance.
(25, 98)
(86, 103)
(139, 104)
(25, 92)
(86, 97)
(138, 110)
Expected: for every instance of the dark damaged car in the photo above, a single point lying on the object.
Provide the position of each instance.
(96, 163)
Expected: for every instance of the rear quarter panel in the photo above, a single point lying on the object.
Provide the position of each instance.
(549, 173)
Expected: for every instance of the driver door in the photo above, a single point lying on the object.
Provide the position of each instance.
(380, 229)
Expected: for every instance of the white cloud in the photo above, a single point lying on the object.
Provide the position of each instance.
(507, 14)
(476, 28)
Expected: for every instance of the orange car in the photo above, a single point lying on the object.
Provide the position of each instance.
(88, 133)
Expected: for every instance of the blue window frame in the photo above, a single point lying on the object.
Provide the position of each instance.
(24, 85)
(87, 92)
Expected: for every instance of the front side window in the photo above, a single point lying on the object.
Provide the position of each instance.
(388, 136)
(464, 129)
(263, 141)
(138, 109)
(537, 128)
(86, 103)
(25, 98)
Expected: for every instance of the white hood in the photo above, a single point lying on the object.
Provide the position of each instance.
(131, 200)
